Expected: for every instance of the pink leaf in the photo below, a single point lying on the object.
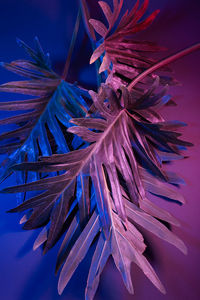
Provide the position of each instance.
(99, 27)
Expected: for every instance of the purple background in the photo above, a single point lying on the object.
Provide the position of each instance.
(25, 274)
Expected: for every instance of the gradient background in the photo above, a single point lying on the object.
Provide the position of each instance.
(25, 274)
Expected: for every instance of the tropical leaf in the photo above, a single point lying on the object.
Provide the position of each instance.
(92, 183)
(123, 57)
(103, 189)
(39, 122)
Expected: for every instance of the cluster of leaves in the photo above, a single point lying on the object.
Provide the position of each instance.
(39, 122)
(94, 157)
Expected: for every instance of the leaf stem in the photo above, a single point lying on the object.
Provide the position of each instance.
(86, 17)
(71, 48)
(162, 63)
(91, 34)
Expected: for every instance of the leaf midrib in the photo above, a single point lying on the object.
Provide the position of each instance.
(100, 141)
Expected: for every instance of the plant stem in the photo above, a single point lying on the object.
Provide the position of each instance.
(86, 17)
(91, 34)
(162, 63)
(71, 48)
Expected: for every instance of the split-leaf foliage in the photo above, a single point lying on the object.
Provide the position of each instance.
(88, 162)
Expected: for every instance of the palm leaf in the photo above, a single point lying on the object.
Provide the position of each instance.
(104, 188)
(123, 57)
(40, 121)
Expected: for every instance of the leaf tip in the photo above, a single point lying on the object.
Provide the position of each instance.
(184, 249)
(91, 21)
(35, 247)
(23, 220)
(163, 290)
(70, 130)
(92, 60)
(101, 69)
(60, 287)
